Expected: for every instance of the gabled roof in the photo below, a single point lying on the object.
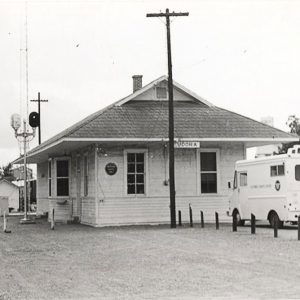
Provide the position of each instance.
(127, 120)
(9, 183)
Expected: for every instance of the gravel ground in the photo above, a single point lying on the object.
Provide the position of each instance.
(145, 262)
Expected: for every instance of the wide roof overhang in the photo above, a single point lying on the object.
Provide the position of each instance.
(65, 146)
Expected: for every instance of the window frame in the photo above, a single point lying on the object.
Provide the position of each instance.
(156, 92)
(277, 170)
(199, 172)
(85, 175)
(240, 178)
(67, 158)
(50, 177)
(146, 173)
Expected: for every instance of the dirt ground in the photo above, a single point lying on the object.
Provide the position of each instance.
(144, 262)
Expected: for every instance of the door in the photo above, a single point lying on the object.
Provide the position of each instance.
(3, 205)
(78, 186)
(242, 188)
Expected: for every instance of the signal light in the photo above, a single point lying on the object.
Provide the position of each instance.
(34, 119)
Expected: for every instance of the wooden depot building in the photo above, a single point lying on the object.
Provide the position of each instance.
(111, 168)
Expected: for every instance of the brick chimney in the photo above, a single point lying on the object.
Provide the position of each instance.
(137, 82)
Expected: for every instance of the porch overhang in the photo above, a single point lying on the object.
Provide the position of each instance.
(65, 146)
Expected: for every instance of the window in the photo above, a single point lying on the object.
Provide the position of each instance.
(277, 170)
(85, 176)
(297, 172)
(135, 173)
(49, 178)
(235, 180)
(243, 179)
(62, 177)
(208, 170)
(161, 92)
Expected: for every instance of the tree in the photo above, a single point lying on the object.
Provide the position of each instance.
(6, 172)
(294, 124)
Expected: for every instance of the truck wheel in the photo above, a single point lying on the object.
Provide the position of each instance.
(273, 218)
(240, 222)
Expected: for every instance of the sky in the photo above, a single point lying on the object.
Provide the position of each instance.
(243, 56)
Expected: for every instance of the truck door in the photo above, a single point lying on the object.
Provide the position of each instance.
(243, 194)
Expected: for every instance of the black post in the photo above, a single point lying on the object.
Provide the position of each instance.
(39, 112)
(234, 223)
(252, 224)
(191, 215)
(217, 220)
(298, 228)
(276, 228)
(202, 219)
(179, 218)
(171, 127)
(171, 113)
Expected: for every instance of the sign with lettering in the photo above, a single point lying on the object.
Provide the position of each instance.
(186, 144)
(111, 168)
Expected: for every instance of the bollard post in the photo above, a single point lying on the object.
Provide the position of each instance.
(4, 221)
(191, 215)
(276, 228)
(52, 219)
(179, 218)
(299, 228)
(202, 219)
(252, 224)
(217, 220)
(234, 223)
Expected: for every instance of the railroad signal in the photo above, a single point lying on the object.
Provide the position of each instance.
(34, 119)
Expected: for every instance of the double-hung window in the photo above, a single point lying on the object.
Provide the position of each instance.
(208, 172)
(62, 177)
(135, 173)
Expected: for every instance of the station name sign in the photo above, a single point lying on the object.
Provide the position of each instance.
(186, 144)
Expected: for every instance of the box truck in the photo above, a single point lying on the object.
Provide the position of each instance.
(268, 188)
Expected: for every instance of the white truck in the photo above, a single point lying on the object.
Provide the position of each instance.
(268, 188)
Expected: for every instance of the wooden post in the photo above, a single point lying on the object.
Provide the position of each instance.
(191, 215)
(276, 229)
(217, 220)
(179, 218)
(202, 219)
(234, 223)
(4, 221)
(52, 219)
(298, 228)
(252, 224)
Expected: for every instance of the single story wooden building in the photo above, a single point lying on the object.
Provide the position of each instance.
(112, 167)
(9, 196)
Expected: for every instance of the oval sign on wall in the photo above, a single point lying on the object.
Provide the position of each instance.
(111, 168)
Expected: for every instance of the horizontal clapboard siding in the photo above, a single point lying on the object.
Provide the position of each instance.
(156, 210)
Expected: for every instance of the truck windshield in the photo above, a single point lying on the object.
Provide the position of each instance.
(297, 172)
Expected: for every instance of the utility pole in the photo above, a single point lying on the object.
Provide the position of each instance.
(167, 15)
(39, 100)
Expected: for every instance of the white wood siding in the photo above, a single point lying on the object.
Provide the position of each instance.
(115, 207)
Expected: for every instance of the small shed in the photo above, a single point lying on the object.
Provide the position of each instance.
(9, 196)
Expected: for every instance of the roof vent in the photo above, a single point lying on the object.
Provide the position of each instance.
(137, 82)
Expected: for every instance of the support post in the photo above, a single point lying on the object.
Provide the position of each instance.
(217, 220)
(52, 219)
(276, 228)
(234, 223)
(191, 215)
(179, 218)
(299, 228)
(253, 224)
(202, 219)
(5, 223)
